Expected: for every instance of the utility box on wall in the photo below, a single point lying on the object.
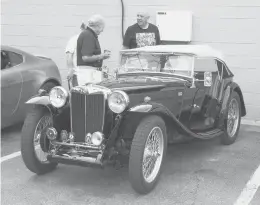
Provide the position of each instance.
(175, 25)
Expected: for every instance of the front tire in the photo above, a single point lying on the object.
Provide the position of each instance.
(148, 147)
(31, 135)
(232, 121)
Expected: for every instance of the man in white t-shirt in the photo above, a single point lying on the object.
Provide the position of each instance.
(71, 57)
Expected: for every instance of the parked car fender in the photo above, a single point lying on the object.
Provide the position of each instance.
(39, 79)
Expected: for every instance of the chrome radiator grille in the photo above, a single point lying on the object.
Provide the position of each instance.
(87, 114)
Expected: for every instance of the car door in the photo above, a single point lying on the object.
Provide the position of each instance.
(206, 105)
(188, 94)
(11, 83)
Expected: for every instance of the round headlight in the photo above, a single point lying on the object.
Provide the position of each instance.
(58, 96)
(118, 101)
(97, 138)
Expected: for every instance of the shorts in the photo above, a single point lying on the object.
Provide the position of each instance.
(88, 74)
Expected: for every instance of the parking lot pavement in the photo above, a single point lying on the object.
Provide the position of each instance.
(198, 173)
(10, 140)
(256, 199)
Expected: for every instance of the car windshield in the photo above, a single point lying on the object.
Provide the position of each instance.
(147, 62)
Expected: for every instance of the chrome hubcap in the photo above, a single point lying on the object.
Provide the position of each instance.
(44, 122)
(233, 117)
(153, 153)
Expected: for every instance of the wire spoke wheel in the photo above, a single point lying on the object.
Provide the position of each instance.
(233, 117)
(153, 152)
(34, 145)
(232, 120)
(41, 126)
(148, 150)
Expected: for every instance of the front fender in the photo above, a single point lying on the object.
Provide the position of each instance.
(133, 116)
(41, 100)
(142, 108)
(152, 108)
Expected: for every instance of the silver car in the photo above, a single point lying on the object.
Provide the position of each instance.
(22, 76)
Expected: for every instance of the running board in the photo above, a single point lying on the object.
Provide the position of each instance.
(210, 134)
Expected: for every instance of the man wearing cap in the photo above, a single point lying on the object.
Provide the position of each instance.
(71, 57)
(141, 33)
(89, 55)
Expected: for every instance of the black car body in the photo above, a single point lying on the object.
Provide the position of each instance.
(160, 95)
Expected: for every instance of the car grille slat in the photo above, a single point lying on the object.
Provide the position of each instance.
(78, 120)
(94, 112)
(87, 114)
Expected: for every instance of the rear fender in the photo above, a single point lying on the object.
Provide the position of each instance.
(235, 88)
(230, 88)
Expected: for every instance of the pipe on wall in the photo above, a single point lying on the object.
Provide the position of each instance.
(122, 18)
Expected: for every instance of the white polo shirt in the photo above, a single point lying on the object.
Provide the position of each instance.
(72, 48)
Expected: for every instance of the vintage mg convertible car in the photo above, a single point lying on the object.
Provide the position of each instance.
(159, 95)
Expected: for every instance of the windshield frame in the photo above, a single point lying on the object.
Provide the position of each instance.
(136, 53)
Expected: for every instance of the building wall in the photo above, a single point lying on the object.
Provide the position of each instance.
(230, 25)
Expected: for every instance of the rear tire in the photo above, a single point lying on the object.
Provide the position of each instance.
(230, 136)
(29, 156)
(144, 131)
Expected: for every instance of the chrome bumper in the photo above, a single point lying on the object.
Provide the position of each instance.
(80, 154)
(74, 160)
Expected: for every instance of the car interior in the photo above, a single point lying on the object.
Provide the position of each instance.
(5, 60)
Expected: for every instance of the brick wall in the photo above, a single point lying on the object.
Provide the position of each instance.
(230, 25)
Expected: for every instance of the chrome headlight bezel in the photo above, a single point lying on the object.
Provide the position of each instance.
(120, 96)
(97, 138)
(52, 94)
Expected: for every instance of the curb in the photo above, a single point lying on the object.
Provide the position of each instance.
(250, 125)
(250, 122)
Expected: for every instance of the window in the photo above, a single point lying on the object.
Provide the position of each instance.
(180, 65)
(139, 63)
(205, 65)
(222, 68)
(10, 59)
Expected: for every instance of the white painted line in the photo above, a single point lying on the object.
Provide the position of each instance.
(250, 189)
(10, 156)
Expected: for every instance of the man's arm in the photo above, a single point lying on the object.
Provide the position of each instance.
(93, 58)
(69, 60)
(126, 40)
(88, 47)
(158, 36)
(70, 50)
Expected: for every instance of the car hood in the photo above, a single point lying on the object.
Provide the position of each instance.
(133, 84)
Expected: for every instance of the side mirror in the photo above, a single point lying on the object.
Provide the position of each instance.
(207, 79)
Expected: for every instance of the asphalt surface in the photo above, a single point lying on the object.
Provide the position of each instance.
(198, 173)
